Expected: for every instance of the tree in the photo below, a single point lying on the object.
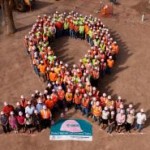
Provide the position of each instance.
(7, 16)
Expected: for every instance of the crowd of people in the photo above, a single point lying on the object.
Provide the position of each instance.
(71, 87)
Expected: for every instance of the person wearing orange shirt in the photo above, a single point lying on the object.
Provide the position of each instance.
(115, 49)
(46, 117)
(59, 28)
(61, 97)
(77, 100)
(52, 75)
(49, 103)
(85, 105)
(110, 64)
(86, 27)
(42, 69)
(97, 112)
(103, 100)
(54, 96)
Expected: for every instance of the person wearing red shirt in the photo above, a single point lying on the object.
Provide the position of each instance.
(7, 108)
(59, 28)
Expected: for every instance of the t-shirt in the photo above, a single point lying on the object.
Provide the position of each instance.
(120, 118)
(141, 118)
(130, 118)
(105, 114)
(29, 110)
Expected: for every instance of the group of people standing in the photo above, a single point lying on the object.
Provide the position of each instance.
(71, 87)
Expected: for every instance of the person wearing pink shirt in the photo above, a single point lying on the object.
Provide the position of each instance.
(120, 119)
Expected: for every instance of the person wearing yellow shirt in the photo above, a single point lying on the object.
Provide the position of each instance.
(69, 98)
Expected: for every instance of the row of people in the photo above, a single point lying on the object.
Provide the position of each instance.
(38, 112)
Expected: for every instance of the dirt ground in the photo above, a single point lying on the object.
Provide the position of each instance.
(130, 77)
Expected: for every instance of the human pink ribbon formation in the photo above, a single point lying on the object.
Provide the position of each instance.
(75, 86)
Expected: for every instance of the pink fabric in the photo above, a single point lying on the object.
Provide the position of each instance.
(71, 126)
(21, 119)
(13, 122)
(120, 118)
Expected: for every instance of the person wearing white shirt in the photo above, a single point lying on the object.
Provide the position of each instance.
(105, 117)
(140, 120)
(29, 109)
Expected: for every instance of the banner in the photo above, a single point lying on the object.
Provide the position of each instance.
(71, 129)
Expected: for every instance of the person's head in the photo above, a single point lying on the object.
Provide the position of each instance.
(121, 106)
(29, 103)
(119, 98)
(35, 112)
(11, 113)
(22, 97)
(112, 113)
(48, 96)
(106, 108)
(94, 89)
(49, 85)
(122, 112)
(18, 104)
(27, 116)
(94, 99)
(132, 112)
(85, 95)
(20, 113)
(110, 57)
(109, 97)
(2, 113)
(104, 95)
(142, 110)
(69, 90)
(44, 107)
(45, 92)
(130, 106)
(111, 107)
(39, 101)
(5, 104)
(59, 88)
(36, 92)
(97, 103)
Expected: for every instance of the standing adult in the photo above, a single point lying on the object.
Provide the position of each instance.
(105, 117)
(140, 120)
(46, 117)
(29, 108)
(13, 122)
(130, 120)
(120, 119)
(4, 122)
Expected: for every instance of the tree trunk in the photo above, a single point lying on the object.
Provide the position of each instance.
(8, 17)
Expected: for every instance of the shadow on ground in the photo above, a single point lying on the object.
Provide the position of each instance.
(24, 27)
(41, 4)
(122, 57)
(69, 50)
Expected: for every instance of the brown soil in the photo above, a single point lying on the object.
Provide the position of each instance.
(143, 7)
